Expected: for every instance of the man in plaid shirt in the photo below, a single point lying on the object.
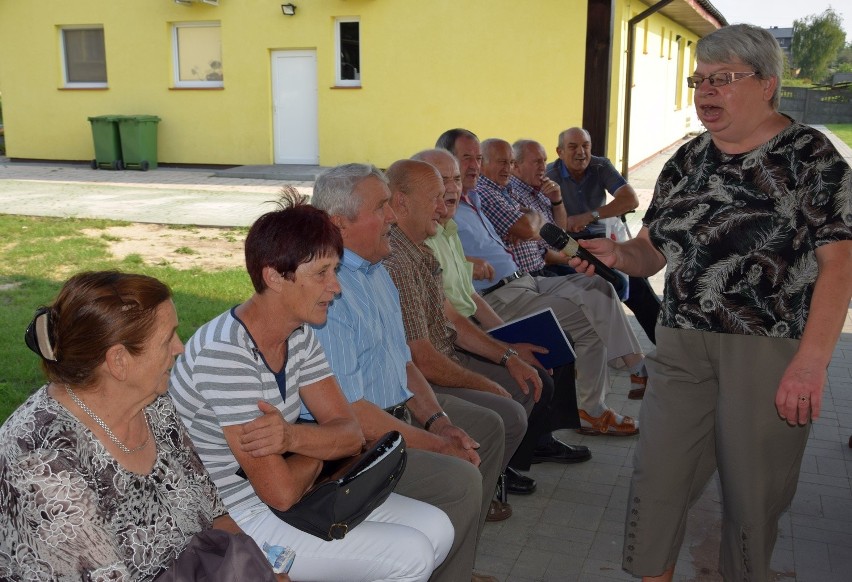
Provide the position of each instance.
(532, 189)
(591, 314)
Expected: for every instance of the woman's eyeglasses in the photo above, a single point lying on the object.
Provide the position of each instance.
(717, 79)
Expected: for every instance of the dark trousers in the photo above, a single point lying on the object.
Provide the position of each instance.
(645, 305)
(538, 425)
(549, 414)
(564, 412)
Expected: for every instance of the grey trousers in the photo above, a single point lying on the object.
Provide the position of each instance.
(456, 486)
(537, 422)
(514, 411)
(710, 405)
(589, 310)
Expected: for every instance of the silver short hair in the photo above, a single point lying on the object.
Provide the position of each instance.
(520, 146)
(750, 44)
(564, 133)
(488, 144)
(334, 188)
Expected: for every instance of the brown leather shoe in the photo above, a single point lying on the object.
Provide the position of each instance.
(498, 511)
(477, 577)
(638, 385)
(607, 424)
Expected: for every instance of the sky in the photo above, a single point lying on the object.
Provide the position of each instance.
(782, 13)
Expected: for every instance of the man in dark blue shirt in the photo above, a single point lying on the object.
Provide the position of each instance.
(585, 180)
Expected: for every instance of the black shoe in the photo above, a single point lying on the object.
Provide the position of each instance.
(558, 452)
(518, 483)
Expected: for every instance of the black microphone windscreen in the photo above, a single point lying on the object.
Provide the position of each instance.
(554, 236)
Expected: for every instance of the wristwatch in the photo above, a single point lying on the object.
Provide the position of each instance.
(509, 353)
(595, 215)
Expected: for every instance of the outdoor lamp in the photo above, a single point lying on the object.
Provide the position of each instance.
(288, 9)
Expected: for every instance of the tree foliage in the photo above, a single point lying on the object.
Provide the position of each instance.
(844, 60)
(817, 41)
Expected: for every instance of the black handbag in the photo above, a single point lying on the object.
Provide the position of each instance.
(348, 490)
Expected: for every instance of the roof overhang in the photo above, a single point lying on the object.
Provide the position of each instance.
(699, 16)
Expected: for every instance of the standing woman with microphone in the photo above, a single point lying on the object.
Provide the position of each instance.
(753, 222)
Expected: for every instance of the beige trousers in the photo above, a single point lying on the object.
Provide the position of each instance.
(710, 405)
(589, 310)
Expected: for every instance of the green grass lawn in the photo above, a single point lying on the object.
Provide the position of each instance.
(39, 254)
(843, 131)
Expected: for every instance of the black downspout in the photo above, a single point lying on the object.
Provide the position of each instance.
(628, 97)
(599, 29)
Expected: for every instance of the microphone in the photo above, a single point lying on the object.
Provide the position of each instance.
(558, 238)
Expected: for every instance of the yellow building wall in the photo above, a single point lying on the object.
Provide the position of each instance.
(621, 14)
(496, 67)
(661, 107)
(487, 65)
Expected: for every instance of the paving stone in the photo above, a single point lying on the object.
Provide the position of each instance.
(831, 467)
(810, 555)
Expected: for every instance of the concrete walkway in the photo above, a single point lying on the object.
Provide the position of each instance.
(164, 195)
(571, 528)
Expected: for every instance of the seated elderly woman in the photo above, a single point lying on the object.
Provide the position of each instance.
(240, 387)
(98, 478)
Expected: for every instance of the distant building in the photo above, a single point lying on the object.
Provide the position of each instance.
(784, 36)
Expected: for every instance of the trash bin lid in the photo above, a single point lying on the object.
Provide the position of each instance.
(106, 118)
(141, 118)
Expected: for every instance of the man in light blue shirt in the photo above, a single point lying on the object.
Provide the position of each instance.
(365, 344)
(368, 310)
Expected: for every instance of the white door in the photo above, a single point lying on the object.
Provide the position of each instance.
(294, 103)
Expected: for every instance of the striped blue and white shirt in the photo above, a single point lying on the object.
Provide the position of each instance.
(364, 338)
(218, 381)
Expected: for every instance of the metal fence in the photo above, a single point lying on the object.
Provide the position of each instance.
(828, 105)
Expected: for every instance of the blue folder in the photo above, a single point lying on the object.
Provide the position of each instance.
(542, 329)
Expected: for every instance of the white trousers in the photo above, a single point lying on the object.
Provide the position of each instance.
(403, 539)
(589, 310)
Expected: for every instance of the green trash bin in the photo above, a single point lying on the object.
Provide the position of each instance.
(107, 142)
(139, 141)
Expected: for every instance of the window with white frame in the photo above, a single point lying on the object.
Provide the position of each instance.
(198, 55)
(348, 43)
(83, 57)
